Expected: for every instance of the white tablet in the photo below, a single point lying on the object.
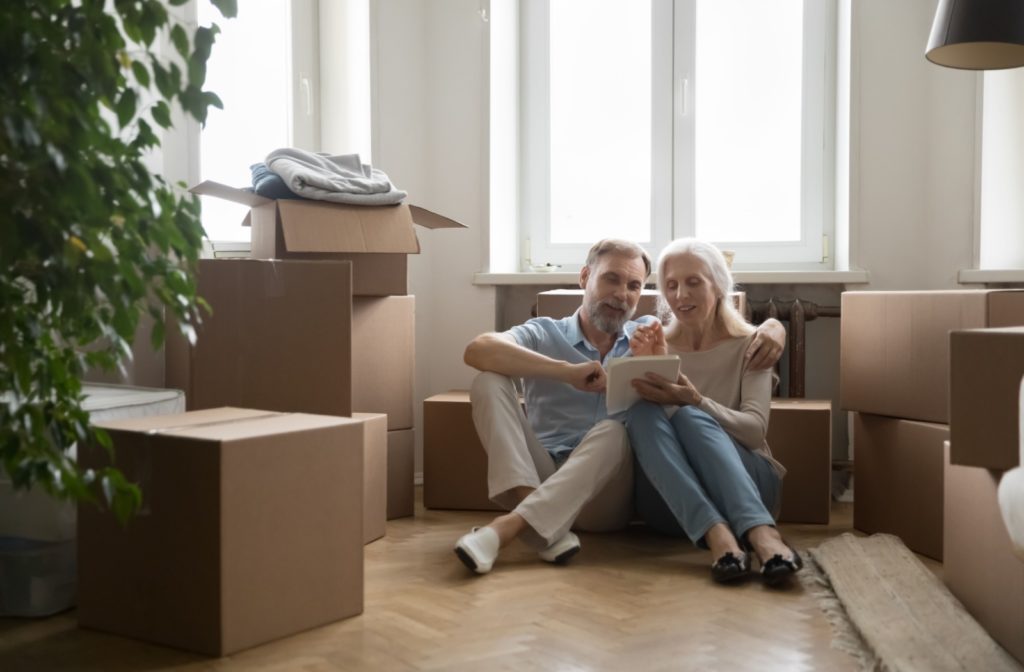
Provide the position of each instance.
(622, 370)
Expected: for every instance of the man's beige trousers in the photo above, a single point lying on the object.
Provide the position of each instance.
(592, 490)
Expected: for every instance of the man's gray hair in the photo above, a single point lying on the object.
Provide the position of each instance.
(625, 248)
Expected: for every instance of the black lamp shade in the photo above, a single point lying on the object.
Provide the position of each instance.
(978, 34)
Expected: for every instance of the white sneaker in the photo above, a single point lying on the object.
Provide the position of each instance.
(478, 549)
(563, 549)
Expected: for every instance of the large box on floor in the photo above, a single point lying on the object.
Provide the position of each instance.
(979, 564)
(894, 346)
(401, 473)
(898, 467)
(251, 529)
(454, 461)
(375, 474)
(375, 239)
(558, 303)
(986, 367)
(800, 437)
(384, 357)
(279, 338)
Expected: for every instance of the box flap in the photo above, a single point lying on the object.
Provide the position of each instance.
(432, 220)
(223, 191)
(318, 226)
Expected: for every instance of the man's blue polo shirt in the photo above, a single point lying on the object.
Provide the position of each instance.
(559, 413)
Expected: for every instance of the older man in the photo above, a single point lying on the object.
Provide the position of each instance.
(564, 463)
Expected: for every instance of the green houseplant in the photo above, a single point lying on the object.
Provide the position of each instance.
(90, 238)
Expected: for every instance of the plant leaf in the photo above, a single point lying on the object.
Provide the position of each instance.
(180, 40)
(161, 114)
(125, 107)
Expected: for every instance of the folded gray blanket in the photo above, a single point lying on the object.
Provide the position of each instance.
(340, 179)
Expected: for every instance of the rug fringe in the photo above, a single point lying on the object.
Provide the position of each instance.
(845, 636)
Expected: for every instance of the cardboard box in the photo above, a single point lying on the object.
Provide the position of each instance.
(898, 469)
(401, 473)
(559, 303)
(384, 357)
(279, 338)
(375, 239)
(894, 346)
(250, 529)
(986, 367)
(800, 436)
(375, 474)
(980, 567)
(454, 461)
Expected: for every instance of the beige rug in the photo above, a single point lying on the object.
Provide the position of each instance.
(891, 613)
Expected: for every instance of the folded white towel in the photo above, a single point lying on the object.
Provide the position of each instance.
(339, 178)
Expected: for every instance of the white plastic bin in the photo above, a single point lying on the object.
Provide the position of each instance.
(37, 532)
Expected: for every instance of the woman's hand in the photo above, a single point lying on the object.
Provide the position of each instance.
(660, 390)
(648, 339)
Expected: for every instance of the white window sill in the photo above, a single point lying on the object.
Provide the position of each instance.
(741, 278)
(971, 276)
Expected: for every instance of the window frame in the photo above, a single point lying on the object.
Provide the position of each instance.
(673, 130)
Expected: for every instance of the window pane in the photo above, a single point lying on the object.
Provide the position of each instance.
(748, 120)
(249, 69)
(600, 98)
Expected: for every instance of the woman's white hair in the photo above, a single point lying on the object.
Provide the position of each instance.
(721, 280)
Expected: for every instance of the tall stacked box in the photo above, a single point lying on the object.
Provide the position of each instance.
(289, 336)
(279, 338)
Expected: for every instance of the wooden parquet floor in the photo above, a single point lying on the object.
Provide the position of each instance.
(628, 601)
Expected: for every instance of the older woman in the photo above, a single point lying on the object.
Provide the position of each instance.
(705, 468)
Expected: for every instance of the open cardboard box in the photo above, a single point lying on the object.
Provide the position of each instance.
(376, 239)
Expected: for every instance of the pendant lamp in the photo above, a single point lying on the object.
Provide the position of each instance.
(978, 34)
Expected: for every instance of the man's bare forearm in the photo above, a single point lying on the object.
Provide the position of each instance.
(499, 353)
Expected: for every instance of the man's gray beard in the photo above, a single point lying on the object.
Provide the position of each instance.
(607, 323)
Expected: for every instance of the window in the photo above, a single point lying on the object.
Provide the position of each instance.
(663, 118)
(1000, 200)
(253, 61)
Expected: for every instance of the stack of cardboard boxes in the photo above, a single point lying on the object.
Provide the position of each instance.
(894, 374)
(298, 443)
(933, 379)
(289, 332)
(980, 567)
(455, 465)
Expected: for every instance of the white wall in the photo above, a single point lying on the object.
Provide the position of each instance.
(913, 178)
(911, 183)
(430, 128)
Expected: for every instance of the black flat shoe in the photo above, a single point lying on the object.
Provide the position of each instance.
(730, 567)
(777, 569)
